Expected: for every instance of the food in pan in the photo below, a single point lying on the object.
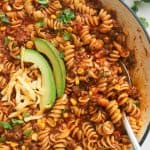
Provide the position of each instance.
(61, 84)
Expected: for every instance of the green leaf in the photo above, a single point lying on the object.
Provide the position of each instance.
(5, 125)
(2, 138)
(136, 6)
(64, 110)
(43, 2)
(44, 5)
(66, 16)
(27, 133)
(6, 40)
(146, 1)
(67, 36)
(26, 114)
(40, 23)
(137, 103)
(4, 19)
(144, 22)
(17, 122)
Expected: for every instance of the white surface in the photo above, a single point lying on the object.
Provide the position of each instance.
(144, 11)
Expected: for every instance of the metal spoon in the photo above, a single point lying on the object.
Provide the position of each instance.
(126, 123)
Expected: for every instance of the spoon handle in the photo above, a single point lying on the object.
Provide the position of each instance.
(130, 133)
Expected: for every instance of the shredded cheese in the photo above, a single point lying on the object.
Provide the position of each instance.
(27, 91)
(34, 117)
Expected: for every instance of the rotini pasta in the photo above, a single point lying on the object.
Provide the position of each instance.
(107, 22)
(91, 43)
(114, 111)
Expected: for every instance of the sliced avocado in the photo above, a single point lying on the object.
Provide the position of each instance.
(58, 66)
(48, 82)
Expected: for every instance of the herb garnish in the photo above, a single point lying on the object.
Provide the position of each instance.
(4, 19)
(5, 125)
(17, 122)
(40, 23)
(2, 138)
(6, 40)
(67, 36)
(27, 133)
(26, 114)
(66, 16)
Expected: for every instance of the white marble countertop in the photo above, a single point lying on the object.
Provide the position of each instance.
(143, 11)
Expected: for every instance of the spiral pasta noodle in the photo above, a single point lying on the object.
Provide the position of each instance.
(88, 20)
(132, 109)
(98, 117)
(69, 54)
(114, 111)
(107, 22)
(53, 24)
(83, 8)
(8, 66)
(3, 82)
(91, 42)
(44, 141)
(60, 105)
(107, 128)
(78, 111)
(89, 131)
(107, 142)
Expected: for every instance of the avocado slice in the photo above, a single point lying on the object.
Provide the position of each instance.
(48, 83)
(58, 66)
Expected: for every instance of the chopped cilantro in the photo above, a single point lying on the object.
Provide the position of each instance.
(2, 138)
(144, 22)
(5, 125)
(137, 103)
(44, 5)
(43, 2)
(17, 122)
(40, 23)
(6, 40)
(67, 36)
(27, 133)
(4, 19)
(61, 54)
(26, 114)
(64, 110)
(66, 16)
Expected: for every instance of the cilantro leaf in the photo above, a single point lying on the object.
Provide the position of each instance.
(67, 36)
(2, 138)
(5, 125)
(43, 2)
(26, 114)
(40, 23)
(66, 16)
(144, 22)
(17, 122)
(6, 40)
(27, 133)
(4, 19)
(137, 103)
(64, 110)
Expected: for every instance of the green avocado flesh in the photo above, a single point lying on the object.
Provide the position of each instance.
(48, 83)
(57, 63)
